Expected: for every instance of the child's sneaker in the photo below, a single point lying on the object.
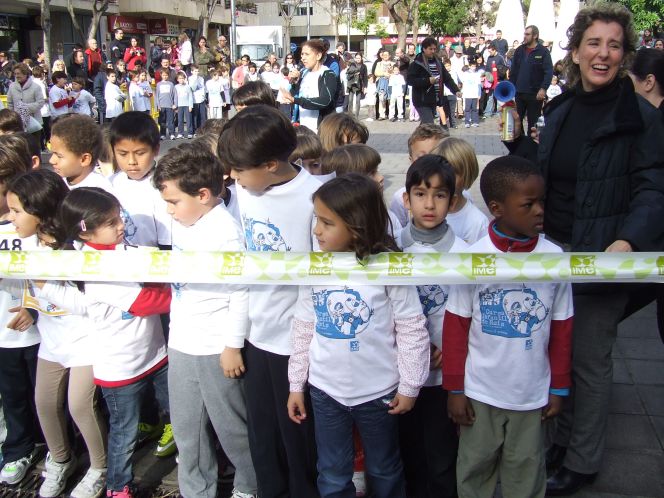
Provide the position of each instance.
(475, 125)
(180, 135)
(92, 485)
(14, 472)
(172, 137)
(240, 494)
(166, 445)
(467, 125)
(55, 476)
(162, 137)
(125, 493)
(190, 136)
(148, 432)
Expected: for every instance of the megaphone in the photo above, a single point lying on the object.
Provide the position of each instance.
(504, 91)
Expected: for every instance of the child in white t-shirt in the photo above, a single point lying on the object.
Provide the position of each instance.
(377, 333)
(507, 346)
(472, 88)
(465, 218)
(134, 140)
(84, 101)
(215, 93)
(429, 444)
(59, 100)
(128, 348)
(113, 96)
(397, 84)
(276, 210)
(190, 179)
(554, 88)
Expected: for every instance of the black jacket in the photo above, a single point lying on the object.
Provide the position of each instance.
(325, 103)
(424, 93)
(620, 175)
(532, 71)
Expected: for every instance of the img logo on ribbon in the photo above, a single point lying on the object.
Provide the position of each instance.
(17, 262)
(91, 263)
(232, 263)
(484, 264)
(320, 263)
(581, 264)
(160, 263)
(400, 264)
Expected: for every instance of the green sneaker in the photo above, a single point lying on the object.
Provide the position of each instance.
(166, 445)
(148, 432)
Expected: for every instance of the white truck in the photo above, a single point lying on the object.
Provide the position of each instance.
(259, 41)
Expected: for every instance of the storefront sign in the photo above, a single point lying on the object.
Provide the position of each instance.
(133, 25)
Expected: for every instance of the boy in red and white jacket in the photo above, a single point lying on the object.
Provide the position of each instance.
(507, 346)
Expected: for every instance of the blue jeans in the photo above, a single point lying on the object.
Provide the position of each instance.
(184, 113)
(124, 407)
(199, 115)
(471, 111)
(167, 121)
(334, 438)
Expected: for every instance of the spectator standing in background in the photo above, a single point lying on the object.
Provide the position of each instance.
(118, 46)
(531, 73)
(501, 43)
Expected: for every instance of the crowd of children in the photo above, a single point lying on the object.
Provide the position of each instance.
(291, 381)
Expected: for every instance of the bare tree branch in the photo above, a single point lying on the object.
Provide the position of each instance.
(74, 21)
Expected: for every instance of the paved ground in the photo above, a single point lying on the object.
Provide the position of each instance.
(633, 464)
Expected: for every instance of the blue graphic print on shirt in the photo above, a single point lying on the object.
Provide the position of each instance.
(130, 227)
(263, 236)
(432, 297)
(511, 312)
(340, 313)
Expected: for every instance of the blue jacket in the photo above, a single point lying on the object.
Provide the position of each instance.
(532, 71)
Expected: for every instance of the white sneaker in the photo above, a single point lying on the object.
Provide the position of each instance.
(240, 494)
(14, 472)
(92, 485)
(475, 125)
(55, 476)
(190, 136)
(369, 119)
(467, 125)
(180, 135)
(172, 137)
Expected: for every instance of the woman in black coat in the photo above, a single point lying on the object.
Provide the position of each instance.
(427, 76)
(602, 156)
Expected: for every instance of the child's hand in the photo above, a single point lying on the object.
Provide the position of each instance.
(459, 409)
(191, 109)
(22, 321)
(232, 363)
(435, 358)
(175, 108)
(554, 407)
(296, 410)
(401, 404)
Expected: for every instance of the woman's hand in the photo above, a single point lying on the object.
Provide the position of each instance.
(620, 246)
(401, 404)
(288, 96)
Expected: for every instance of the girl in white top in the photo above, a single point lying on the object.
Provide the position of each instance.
(113, 96)
(215, 92)
(129, 349)
(365, 347)
(64, 365)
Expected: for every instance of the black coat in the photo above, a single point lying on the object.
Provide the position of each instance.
(620, 175)
(424, 93)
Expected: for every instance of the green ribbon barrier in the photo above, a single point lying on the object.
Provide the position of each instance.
(290, 268)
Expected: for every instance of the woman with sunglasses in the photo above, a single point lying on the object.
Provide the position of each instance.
(289, 62)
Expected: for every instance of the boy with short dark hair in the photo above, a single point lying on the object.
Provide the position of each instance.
(75, 145)
(83, 100)
(507, 346)
(422, 141)
(134, 139)
(275, 199)
(429, 441)
(190, 179)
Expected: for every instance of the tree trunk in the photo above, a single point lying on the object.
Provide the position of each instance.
(416, 24)
(402, 32)
(46, 28)
(287, 25)
(99, 8)
(74, 21)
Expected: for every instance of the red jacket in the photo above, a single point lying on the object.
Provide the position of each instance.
(94, 61)
(132, 59)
